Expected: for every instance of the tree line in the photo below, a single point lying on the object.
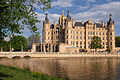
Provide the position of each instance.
(19, 43)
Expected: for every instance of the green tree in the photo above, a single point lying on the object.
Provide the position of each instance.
(96, 43)
(117, 41)
(18, 43)
(33, 39)
(15, 15)
(4, 46)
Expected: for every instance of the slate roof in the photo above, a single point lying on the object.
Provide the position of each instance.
(98, 25)
(52, 26)
(79, 24)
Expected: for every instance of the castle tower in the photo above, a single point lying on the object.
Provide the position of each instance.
(110, 33)
(62, 20)
(46, 30)
(68, 28)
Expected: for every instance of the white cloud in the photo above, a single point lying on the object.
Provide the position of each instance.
(91, 0)
(83, 7)
(101, 12)
(62, 3)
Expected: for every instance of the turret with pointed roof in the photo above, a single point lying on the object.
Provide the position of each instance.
(68, 15)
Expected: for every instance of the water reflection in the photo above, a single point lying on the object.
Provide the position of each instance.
(73, 68)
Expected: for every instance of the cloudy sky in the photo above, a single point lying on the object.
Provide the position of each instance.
(81, 10)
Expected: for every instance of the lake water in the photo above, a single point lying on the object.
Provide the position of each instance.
(72, 68)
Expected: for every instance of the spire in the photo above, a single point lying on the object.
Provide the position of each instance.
(110, 20)
(110, 15)
(62, 13)
(46, 18)
(68, 11)
(68, 15)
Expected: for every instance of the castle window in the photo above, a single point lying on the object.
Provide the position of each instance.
(100, 33)
(93, 33)
(76, 37)
(48, 37)
(103, 33)
(67, 31)
(81, 32)
(80, 37)
(48, 33)
(96, 33)
(67, 42)
(103, 43)
(67, 36)
(91, 37)
(88, 33)
(73, 32)
(110, 38)
(110, 43)
(77, 42)
(73, 37)
(110, 33)
(88, 42)
(77, 32)
(80, 46)
(80, 42)
(103, 38)
(88, 37)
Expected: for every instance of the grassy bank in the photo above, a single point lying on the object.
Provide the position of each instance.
(12, 73)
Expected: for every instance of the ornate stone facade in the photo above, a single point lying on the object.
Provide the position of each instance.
(77, 35)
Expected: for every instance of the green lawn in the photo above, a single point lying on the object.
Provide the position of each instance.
(12, 73)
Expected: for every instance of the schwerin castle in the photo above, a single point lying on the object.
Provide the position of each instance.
(71, 36)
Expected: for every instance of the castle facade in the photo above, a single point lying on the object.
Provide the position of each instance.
(71, 36)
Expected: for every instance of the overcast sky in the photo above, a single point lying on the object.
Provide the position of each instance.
(81, 10)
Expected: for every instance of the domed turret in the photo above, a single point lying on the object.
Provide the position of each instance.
(46, 18)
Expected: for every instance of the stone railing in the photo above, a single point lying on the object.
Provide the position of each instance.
(56, 54)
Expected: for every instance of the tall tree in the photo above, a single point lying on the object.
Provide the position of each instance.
(16, 14)
(4, 45)
(96, 43)
(19, 43)
(33, 39)
(117, 41)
